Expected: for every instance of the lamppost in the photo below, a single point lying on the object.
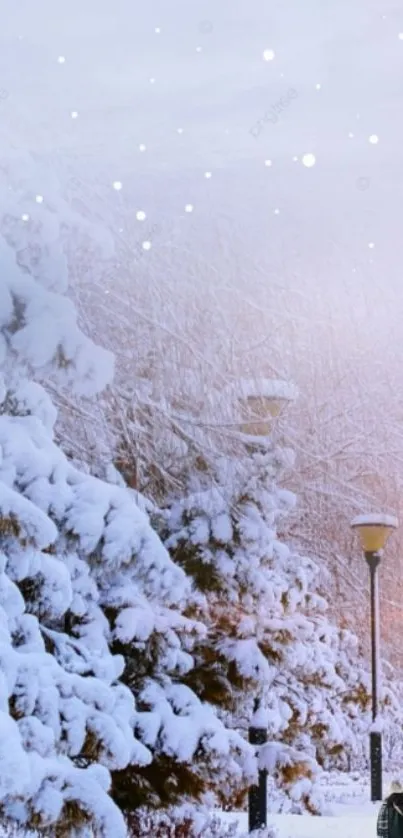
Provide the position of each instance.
(374, 530)
(260, 403)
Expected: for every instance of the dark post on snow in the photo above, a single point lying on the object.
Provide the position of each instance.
(258, 794)
(373, 561)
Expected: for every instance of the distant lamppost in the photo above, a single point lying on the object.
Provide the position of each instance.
(260, 403)
(374, 530)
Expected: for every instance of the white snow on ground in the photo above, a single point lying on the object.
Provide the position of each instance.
(359, 824)
(351, 815)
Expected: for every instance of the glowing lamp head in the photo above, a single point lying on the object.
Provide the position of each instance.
(374, 530)
(261, 402)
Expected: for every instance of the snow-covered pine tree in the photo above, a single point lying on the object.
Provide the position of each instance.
(65, 719)
(81, 572)
(269, 639)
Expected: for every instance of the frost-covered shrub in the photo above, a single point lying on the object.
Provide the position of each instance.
(184, 823)
(270, 642)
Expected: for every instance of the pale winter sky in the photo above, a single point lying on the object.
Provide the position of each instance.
(189, 80)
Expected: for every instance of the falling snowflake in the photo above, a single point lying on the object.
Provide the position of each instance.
(198, 49)
(371, 245)
(61, 59)
(142, 147)
(206, 26)
(276, 211)
(157, 30)
(152, 81)
(25, 217)
(146, 245)
(268, 163)
(180, 130)
(39, 199)
(117, 185)
(208, 175)
(268, 55)
(74, 114)
(140, 215)
(189, 208)
(351, 135)
(400, 36)
(295, 159)
(318, 86)
(374, 139)
(308, 160)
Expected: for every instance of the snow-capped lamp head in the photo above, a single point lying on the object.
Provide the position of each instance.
(261, 401)
(374, 531)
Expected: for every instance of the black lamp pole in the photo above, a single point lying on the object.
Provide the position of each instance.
(374, 531)
(258, 794)
(373, 560)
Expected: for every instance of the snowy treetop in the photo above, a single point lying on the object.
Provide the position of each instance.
(39, 333)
